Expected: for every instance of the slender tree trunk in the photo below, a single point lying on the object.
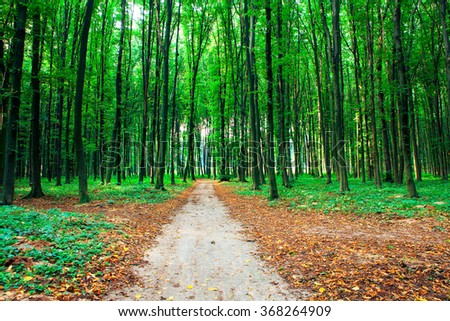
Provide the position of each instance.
(103, 54)
(373, 118)
(282, 137)
(222, 93)
(4, 84)
(356, 56)
(273, 194)
(323, 136)
(445, 138)
(250, 45)
(328, 90)
(60, 104)
(165, 105)
(116, 144)
(174, 102)
(78, 139)
(146, 55)
(381, 100)
(404, 102)
(48, 131)
(13, 117)
(338, 99)
(35, 137)
(154, 131)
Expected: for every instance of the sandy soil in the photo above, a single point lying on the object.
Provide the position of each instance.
(203, 255)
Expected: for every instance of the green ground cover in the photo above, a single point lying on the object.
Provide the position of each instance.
(310, 193)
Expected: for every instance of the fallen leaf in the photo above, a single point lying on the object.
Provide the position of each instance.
(27, 278)
(189, 287)
(321, 290)
(213, 289)
(138, 296)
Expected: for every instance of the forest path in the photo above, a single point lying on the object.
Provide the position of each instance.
(203, 255)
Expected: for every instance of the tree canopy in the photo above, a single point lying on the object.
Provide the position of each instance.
(225, 89)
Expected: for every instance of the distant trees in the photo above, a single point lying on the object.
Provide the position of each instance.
(224, 89)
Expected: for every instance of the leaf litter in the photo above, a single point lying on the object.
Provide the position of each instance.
(336, 256)
(344, 256)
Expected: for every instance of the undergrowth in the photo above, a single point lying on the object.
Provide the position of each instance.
(310, 193)
(41, 250)
(66, 254)
(130, 191)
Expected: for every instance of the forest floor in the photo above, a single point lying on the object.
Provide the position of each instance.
(42, 255)
(211, 241)
(344, 256)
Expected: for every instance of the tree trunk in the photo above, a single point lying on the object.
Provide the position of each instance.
(404, 103)
(373, 118)
(338, 99)
(13, 117)
(323, 135)
(115, 155)
(78, 139)
(174, 103)
(361, 159)
(249, 44)
(4, 84)
(60, 104)
(35, 138)
(445, 138)
(282, 137)
(273, 193)
(165, 105)
(102, 149)
(146, 55)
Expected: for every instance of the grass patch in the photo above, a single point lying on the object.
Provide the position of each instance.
(309, 193)
(42, 251)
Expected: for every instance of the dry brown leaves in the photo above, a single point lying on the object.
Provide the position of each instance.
(348, 257)
(140, 225)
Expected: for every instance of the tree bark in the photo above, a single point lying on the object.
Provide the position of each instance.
(35, 137)
(165, 105)
(338, 99)
(404, 102)
(251, 76)
(115, 155)
(282, 137)
(445, 138)
(273, 193)
(146, 55)
(373, 118)
(78, 139)
(13, 117)
(103, 54)
(323, 136)
(4, 86)
(174, 125)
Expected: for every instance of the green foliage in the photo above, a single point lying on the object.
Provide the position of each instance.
(311, 193)
(40, 248)
(129, 191)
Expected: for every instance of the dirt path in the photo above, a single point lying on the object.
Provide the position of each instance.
(202, 255)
